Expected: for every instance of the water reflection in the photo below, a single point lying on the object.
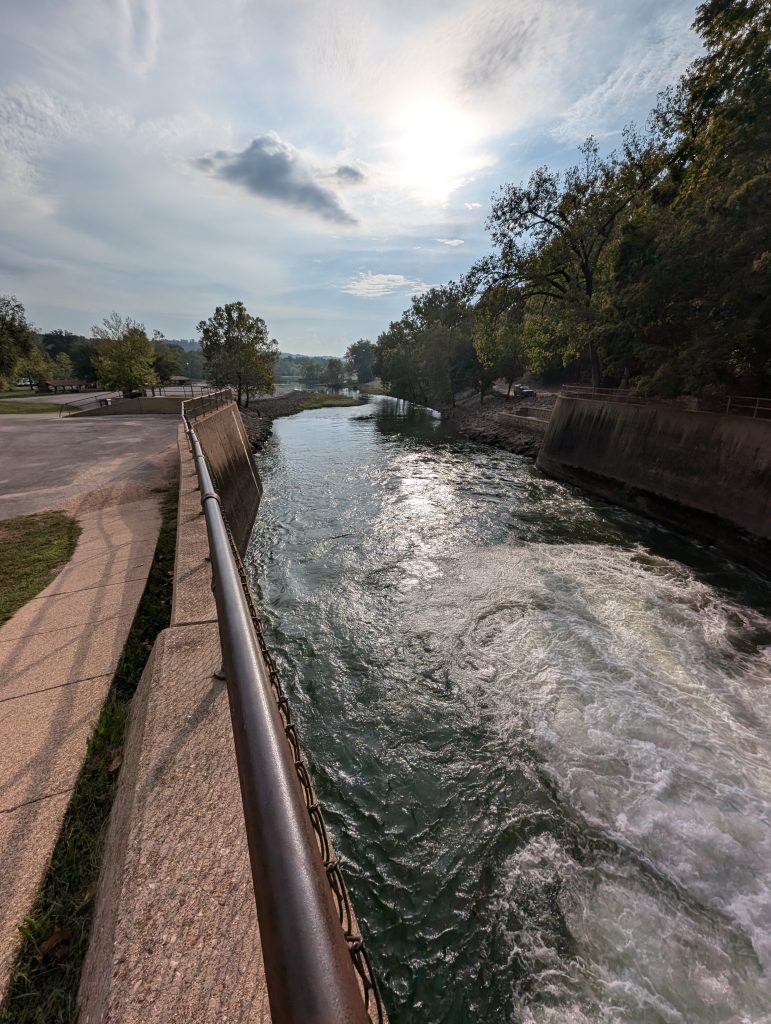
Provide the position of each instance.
(539, 739)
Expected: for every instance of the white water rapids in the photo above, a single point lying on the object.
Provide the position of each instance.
(539, 728)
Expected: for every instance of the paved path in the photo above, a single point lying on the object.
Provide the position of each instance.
(59, 652)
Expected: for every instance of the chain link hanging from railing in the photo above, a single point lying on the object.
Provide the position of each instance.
(359, 955)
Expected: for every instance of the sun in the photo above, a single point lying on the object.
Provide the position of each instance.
(435, 148)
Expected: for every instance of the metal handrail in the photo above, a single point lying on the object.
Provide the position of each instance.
(735, 405)
(309, 972)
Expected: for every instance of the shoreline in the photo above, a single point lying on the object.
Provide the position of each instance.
(259, 415)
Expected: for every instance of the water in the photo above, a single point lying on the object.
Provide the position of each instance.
(538, 726)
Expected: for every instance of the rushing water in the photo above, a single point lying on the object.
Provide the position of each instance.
(538, 726)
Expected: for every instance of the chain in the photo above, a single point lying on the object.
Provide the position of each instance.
(361, 961)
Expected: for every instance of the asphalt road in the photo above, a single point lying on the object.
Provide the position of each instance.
(82, 464)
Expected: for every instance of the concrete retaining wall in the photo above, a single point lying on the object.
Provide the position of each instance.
(161, 406)
(229, 455)
(714, 465)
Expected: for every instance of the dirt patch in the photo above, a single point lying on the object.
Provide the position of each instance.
(491, 423)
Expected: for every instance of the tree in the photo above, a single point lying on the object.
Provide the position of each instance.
(167, 358)
(62, 368)
(361, 359)
(238, 351)
(498, 334)
(553, 234)
(334, 373)
(125, 358)
(17, 338)
(694, 264)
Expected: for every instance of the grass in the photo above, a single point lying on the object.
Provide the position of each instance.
(46, 975)
(17, 407)
(32, 548)
(18, 393)
(319, 399)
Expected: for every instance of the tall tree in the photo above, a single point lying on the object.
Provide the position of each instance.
(125, 358)
(334, 373)
(361, 358)
(694, 265)
(17, 337)
(552, 235)
(238, 351)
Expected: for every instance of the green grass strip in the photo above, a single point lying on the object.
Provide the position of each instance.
(44, 985)
(320, 399)
(17, 407)
(32, 548)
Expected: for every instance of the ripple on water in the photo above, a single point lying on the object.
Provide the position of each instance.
(541, 741)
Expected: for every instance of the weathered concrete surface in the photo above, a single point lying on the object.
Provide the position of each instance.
(82, 464)
(193, 599)
(159, 405)
(58, 655)
(175, 934)
(231, 463)
(711, 469)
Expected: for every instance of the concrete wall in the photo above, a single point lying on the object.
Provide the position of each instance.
(711, 464)
(231, 463)
(161, 406)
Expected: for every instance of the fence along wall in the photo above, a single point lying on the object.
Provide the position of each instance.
(231, 464)
(716, 465)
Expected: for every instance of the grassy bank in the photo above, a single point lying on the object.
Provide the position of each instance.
(321, 399)
(46, 975)
(17, 407)
(32, 548)
(18, 393)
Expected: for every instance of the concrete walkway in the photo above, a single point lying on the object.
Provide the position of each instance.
(58, 654)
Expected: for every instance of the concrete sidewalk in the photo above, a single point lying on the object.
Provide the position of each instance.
(58, 653)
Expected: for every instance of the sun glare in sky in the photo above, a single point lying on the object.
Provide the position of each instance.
(433, 151)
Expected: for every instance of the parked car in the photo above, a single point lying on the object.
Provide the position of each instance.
(520, 391)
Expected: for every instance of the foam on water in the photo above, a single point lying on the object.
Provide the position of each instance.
(643, 695)
(538, 726)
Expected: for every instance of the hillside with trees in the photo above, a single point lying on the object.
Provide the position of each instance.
(649, 267)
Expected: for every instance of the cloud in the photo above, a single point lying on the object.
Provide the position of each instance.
(473, 206)
(348, 175)
(502, 45)
(141, 34)
(374, 286)
(272, 169)
(450, 241)
(653, 60)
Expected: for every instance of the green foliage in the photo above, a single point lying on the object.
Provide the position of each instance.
(238, 351)
(167, 358)
(334, 373)
(649, 266)
(125, 359)
(17, 338)
(32, 548)
(428, 356)
(361, 358)
(62, 367)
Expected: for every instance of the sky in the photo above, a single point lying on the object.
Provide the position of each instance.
(320, 160)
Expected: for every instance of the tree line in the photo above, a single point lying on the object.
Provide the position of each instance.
(120, 354)
(648, 267)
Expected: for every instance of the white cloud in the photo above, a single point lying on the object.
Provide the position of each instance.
(654, 60)
(374, 286)
(473, 206)
(450, 241)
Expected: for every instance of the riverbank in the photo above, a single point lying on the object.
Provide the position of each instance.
(258, 417)
(499, 421)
